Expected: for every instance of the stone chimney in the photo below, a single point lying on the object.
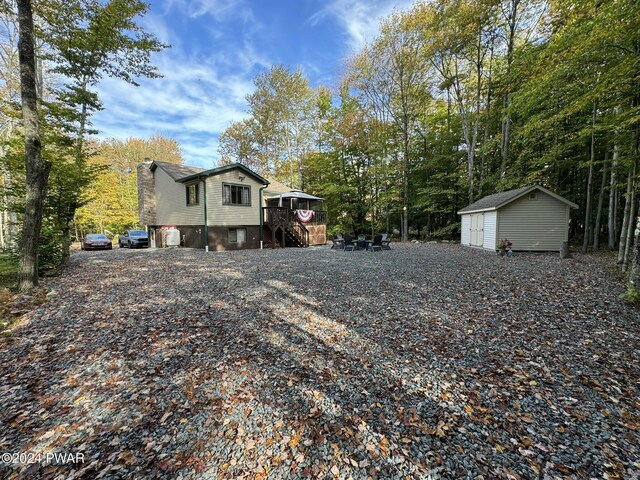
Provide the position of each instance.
(146, 194)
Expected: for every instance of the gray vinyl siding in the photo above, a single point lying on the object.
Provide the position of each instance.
(534, 225)
(490, 219)
(232, 215)
(171, 202)
(465, 230)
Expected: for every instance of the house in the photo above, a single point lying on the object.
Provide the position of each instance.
(533, 218)
(218, 209)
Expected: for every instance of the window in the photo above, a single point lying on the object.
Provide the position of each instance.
(237, 235)
(236, 195)
(193, 194)
(533, 196)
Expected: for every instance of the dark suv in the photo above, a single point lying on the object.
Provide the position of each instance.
(133, 239)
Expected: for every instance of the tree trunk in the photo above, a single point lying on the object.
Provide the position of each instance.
(487, 117)
(587, 219)
(3, 222)
(616, 205)
(66, 242)
(504, 144)
(611, 221)
(469, 126)
(630, 230)
(603, 184)
(405, 190)
(7, 216)
(632, 216)
(633, 291)
(625, 220)
(587, 210)
(37, 170)
(512, 20)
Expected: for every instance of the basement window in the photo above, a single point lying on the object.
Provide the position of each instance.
(193, 194)
(237, 235)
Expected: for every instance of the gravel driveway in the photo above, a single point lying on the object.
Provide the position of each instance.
(426, 361)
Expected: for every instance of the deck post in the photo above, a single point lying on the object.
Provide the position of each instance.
(261, 215)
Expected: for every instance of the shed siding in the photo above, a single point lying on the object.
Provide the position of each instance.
(490, 219)
(171, 202)
(465, 230)
(232, 215)
(537, 225)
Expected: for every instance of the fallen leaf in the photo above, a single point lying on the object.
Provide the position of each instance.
(165, 416)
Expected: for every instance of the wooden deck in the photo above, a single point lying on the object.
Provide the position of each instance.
(282, 228)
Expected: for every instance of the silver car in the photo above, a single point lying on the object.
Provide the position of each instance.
(133, 239)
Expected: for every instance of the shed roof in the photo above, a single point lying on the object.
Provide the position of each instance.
(499, 200)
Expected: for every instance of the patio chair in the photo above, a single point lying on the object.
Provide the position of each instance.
(375, 244)
(348, 243)
(338, 242)
(384, 243)
(362, 241)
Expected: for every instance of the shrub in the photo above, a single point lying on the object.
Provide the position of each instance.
(450, 232)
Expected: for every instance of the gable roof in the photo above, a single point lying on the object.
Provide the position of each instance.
(499, 200)
(174, 170)
(225, 168)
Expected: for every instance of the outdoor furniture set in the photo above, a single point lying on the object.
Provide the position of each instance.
(348, 244)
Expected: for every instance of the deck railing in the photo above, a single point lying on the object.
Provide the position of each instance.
(285, 216)
(319, 218)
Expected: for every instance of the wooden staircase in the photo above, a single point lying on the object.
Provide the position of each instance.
(291, 239)
(283, 229)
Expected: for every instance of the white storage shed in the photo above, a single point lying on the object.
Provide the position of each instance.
(533, 218)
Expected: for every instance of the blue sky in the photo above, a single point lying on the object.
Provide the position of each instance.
(218, 47)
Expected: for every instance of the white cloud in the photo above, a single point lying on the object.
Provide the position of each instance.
(204, 88)
(220, 10)
(360, 19)
(193, 103)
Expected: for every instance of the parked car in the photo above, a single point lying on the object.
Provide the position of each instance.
(133, 239)
(95, 241)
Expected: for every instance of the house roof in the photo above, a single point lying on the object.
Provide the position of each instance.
(215, 171)
(175, 170)
(275, 188)
(499, 200)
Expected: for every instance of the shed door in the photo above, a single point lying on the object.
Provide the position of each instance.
(477, 229)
